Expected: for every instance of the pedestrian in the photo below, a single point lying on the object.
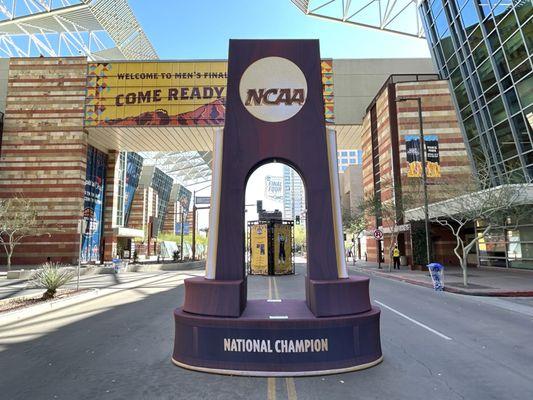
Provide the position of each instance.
(396, 257)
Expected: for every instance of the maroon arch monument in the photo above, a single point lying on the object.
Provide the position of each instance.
(275, 111)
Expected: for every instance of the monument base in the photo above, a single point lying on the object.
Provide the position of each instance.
(203, 296)
(277, 338)
(338, 297)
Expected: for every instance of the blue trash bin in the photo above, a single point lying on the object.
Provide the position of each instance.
(117, 264)
(436, 271)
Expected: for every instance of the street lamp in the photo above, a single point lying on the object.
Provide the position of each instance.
(422, 150)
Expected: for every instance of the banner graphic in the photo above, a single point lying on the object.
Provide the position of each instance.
(282, 249)
(93, 204)
(133, 173)
(259, 248)
(184, 198)
(167, 93)
(274, 187)
(414, 162)
(179, 226)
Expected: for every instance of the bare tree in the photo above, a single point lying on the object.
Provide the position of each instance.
(392, 211)
(488, 209)
(18, 219)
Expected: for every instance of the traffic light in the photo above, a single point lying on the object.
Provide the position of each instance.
(297, 220)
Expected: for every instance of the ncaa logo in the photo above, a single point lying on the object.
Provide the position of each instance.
(273, 89)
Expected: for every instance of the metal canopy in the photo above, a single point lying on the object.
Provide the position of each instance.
(188, 168)
(94, 28)
(393, 16)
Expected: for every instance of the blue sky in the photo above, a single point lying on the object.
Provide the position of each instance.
(184, 29)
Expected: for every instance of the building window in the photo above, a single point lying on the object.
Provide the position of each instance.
(515, 50)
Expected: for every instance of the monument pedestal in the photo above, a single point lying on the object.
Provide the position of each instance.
(328, 298)
(274, 113)
(215, 297)
(277, 338)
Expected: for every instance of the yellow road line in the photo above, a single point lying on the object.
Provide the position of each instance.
(276, 291)
(271, 393)
(291, 389)
(270, 288)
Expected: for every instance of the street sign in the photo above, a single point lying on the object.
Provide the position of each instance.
(203, 200)
(378, 234)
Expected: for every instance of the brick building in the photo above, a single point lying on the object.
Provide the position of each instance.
(388, 127)
(67, 144)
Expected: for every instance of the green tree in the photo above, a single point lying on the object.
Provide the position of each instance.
(300, 237)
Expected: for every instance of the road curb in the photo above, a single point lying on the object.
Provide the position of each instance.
(451, 289)
(26, 312)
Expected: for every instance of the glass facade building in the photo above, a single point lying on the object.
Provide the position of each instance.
(345, 158)
(162, 184)
(293, 194)
(484, 48)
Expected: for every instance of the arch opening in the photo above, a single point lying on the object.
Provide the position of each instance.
(275, 215)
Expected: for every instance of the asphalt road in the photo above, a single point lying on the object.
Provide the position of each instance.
(118, 346)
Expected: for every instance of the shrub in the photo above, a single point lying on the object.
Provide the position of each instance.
(51, 277)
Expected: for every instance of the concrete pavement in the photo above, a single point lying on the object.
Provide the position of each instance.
(10, 288)
(483, 281)
(118, 346)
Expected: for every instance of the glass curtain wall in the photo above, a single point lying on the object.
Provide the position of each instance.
(162, 184)
(484, 49)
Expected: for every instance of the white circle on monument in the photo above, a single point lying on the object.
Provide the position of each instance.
(273, 89)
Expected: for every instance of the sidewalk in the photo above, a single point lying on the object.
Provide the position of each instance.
(482, 281)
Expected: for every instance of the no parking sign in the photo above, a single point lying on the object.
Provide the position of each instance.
(378, 234)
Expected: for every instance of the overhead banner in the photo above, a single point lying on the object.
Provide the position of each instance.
(274, 187)
(414, 162)
(259, 249)
(167, 93)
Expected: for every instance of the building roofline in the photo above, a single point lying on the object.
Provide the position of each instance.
(391, 80)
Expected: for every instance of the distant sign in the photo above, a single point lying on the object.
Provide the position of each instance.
(182, 225)
(274, 187)
(378, 234)
(203, 201)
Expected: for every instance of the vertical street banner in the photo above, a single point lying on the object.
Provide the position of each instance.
(282, 249)
(327, 90)
(274, 187)
(134, 165)
(414, 161)
(93, 205)
(259, 249)
(432, 156)
(184, 198)
(182, 226)
(186, 93)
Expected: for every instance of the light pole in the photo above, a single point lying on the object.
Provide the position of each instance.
(422, 150)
